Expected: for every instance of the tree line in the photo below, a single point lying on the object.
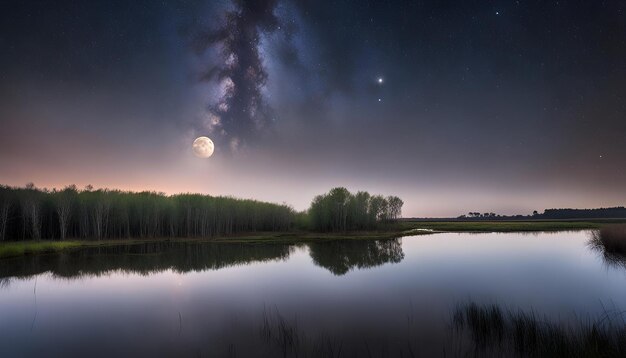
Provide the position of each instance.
(476, 214)
(599, 213)
(30, 213)
(618, 212)
(340, 210)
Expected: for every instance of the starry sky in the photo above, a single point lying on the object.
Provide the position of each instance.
(455, 106)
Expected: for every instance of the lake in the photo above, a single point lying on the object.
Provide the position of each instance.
(339, 298)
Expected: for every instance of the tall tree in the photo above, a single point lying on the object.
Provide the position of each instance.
(31, 211)
(339, 210)
(5, 208)
(395, 207)
(64, 201)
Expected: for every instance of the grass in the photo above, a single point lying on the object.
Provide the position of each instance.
(486, 323)
(611, 238)
(277, 331)
(499, 226)
(288, 340)
(610, 241)
(306, 236)
(404, 228)
(489, 330)
(10, 249)
(524, 334)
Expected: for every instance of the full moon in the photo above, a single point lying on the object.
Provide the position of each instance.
(203, 147)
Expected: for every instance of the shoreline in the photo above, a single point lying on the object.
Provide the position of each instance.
(13, 249)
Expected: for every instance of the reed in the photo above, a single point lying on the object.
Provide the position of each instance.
(524, 334)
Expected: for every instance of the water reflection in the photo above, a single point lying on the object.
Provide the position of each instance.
(338, 257)
(217, 300)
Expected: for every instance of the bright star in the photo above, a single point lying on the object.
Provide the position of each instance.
(497, 12)
(380, 100)
(380, 80)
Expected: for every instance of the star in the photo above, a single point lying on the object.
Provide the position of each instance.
(380, 100)
(497, 12)
(380, 80)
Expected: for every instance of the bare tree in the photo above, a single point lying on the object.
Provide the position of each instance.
(5, 207)
(31, 211)
(63, 204)
(100, 215)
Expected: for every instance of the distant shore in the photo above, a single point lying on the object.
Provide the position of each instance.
(505, 226)
(10, 249)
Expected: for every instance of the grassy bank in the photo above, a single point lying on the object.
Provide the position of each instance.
(405, 228)
(21, 248)
(499, 226)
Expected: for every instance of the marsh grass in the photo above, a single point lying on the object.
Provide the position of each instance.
(277, 331)
(610, 240)
(498, 226)
(10, 249)
(524, 334)
(20, 248)
(288, 340)
(486, 323)
(490, 331)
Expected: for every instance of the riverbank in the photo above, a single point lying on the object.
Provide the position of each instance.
(401, 229)
(12, 249)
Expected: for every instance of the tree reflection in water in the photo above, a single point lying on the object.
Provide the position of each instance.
(339, 257)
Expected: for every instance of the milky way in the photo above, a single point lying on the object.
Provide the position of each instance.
(240, 111)
(507, 106)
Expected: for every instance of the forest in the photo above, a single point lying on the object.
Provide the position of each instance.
(599, 213)
(618, 212)
(340, 210)
(31, 213)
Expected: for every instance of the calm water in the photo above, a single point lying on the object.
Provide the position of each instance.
(380, 297)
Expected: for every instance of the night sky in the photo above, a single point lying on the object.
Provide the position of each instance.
(455, 106)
